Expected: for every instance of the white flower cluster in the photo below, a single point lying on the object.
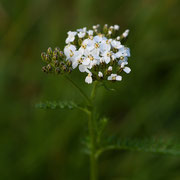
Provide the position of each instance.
(98, 53)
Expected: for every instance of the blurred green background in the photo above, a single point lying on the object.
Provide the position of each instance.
(37, 144)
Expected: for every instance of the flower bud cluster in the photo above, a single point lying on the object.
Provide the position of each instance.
(97, 52)
(55, 62)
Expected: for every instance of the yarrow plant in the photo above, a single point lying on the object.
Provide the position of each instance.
(100, 54)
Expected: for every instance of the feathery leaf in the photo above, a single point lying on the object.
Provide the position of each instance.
(146, 145)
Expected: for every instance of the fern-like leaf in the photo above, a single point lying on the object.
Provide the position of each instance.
(146, 145)
(60, 105)
(56, 105)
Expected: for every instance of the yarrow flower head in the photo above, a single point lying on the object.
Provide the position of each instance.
(97, 52)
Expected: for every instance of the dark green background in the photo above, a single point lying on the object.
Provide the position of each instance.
(37, 144)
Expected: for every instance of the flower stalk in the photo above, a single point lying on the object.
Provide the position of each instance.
(92, 134)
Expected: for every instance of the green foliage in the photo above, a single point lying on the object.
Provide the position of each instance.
(143, 145)
(56, 105)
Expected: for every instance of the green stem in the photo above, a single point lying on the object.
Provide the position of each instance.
(93, 93)
(79, 89)
(92, 133)
(93, 160)
(91, 126)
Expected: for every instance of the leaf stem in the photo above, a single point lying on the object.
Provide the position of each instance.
(79, 89)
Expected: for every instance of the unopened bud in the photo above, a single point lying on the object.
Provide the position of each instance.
(55, 52)
(56, 63)
(55, 57)
(49, 51)
(69, 70)
(105, 29)
(69, 63)
(47, 58)
(57, 49)
(57, 70)
(61, 54)
(64, 68)
(49, 67)
(43, 56)
(44, 69)
(62, 64)
(80, 42)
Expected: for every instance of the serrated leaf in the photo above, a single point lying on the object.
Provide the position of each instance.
(56, 105)
(145, 145)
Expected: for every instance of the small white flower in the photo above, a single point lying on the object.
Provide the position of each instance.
(107, 56)
(109, 32)
(105, 45)
(82, 68)
(90, 32)
(125, 69)
(118, 38)
(81, 34)
(110, 68)
(114, 77)
(116, 44)
(100, 74)
(116, 27)
(88, 78)
(69, 51)
(99, 38)
(71, 37)
(82, 30)
(125, 33)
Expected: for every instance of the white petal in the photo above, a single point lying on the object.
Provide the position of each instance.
(81, 34)
(116, 27)
(74, 64)
(86, 61)
(118, 78)
(123, 64)
(107, 60)
(127, 70)
(100, 74)
(109, 78)
(82, 68)
(90, 32)
(126, 32)
(110, 68)
(88, 79)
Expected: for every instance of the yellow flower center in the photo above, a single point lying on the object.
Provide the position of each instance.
(84, 46)
(121, 58)
(96, 45)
